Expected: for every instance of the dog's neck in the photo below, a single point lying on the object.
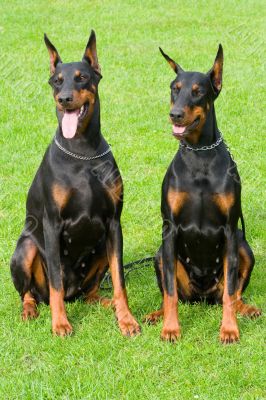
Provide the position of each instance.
(209, 133)
(90, 142)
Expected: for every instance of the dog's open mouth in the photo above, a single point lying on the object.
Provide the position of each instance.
(179, 131)
(71, 119)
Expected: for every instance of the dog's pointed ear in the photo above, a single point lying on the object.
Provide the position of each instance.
(90, 54)
(216, 72)
(172, 63)
(53, 53)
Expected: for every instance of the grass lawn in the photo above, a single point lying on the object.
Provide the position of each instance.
(97, 362)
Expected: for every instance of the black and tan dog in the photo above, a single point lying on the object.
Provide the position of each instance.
(203, 254)
(72, 232)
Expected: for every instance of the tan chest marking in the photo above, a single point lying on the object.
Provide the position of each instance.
(224, 201)
(176, 200)
(60, 195)
(115, 190)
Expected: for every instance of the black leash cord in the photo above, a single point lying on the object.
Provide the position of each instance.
(132, 266)
(139, 262)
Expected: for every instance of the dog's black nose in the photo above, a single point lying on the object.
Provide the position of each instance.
(65, 99)
(177, 115)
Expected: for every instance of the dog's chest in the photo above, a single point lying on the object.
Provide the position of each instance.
(202, 216)
(88, 199)
(85, 214)
(207, 191)
(201, 249)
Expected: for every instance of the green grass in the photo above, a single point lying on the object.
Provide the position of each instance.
(97, 362)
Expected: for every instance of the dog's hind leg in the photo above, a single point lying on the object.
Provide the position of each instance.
(155, 316)
(96, 273)
(246, 264)
(21, 271)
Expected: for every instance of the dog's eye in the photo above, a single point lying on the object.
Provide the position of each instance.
(58, 81)
(82, 78)
(196, 93)
(176, 90)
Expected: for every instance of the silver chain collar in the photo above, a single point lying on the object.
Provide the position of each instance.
(79, 157)
(203, 148)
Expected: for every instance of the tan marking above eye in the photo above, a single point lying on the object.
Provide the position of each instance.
(178, 85)
(176, 200)
(195, 87)
(77, 73)
(60, 76)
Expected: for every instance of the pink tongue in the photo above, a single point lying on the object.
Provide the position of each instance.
(70, 123)
(179, 129)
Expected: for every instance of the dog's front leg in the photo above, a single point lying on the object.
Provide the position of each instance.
(229, 332)
(171, 328)
(51, 227)
(128, 325)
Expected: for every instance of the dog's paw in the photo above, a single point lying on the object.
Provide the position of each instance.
(29, 311)
(246, 310)
(171, 334)
(129, 326)
(61, 327)
(153, 318)
(104, 301)
(229, 334)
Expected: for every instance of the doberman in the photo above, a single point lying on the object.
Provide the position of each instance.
(72, 232)
(204, 256)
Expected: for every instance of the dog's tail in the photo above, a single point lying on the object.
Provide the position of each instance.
(243, 225)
